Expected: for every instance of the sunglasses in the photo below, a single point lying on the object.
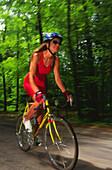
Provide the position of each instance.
(56, 42)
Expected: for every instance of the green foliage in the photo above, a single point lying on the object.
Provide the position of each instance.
(86, 70)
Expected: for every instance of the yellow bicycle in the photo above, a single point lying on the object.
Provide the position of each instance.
(60, 141)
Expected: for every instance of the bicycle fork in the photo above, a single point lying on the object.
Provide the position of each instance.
(51, 120)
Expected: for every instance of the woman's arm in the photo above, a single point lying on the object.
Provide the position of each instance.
(33, 67)
(57, 75)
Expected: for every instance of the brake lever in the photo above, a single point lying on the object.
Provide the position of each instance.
(44, 97)
(70, 99)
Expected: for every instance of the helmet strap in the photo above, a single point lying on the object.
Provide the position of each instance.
(54, 57)
(50, 50)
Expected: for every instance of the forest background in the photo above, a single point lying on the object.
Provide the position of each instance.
(85, 54)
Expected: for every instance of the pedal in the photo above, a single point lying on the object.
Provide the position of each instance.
(38, 141)
(30, 138)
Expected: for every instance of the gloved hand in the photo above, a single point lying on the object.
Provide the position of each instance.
(39, 96)
(66, 93)
(69, 97)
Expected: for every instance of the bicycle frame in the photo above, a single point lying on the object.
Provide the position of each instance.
(46, 116)
(25, 113)
(59, 138)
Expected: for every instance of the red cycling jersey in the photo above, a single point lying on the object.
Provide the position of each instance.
(39, 78)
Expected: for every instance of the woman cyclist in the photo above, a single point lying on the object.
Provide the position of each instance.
(41, 63)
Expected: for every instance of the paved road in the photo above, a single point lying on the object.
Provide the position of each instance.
(95, 146)
(95, 150)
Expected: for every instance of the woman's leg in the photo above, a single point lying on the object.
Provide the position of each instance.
(31, 112)
(31, 93)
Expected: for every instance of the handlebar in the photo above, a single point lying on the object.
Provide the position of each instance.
(60, 104)
(70, 100)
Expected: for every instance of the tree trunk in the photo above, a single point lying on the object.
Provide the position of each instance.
(74, 67)
(3, 74)
(17, 97)
(40, 25)
(92, 87)
(39, 22)
(4, 89)
(110, 46)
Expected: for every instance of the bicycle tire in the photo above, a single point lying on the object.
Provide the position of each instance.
(22, 137)
(63, 154)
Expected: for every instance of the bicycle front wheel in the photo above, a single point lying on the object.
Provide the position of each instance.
(63, 151)
(21, 134)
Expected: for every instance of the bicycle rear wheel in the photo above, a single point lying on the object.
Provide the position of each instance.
(63, 153)
(22, 137)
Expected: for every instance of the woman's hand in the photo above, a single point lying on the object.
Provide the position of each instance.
(39, 97)
(69, 97)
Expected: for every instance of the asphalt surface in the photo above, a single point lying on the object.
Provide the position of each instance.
(95, 150)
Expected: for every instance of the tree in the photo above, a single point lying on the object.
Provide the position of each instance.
(85, 54)
(73, 60)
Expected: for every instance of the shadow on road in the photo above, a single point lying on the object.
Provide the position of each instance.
(43, 160)
(83, 165)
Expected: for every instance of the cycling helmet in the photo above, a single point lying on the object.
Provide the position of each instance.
(51, 36)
